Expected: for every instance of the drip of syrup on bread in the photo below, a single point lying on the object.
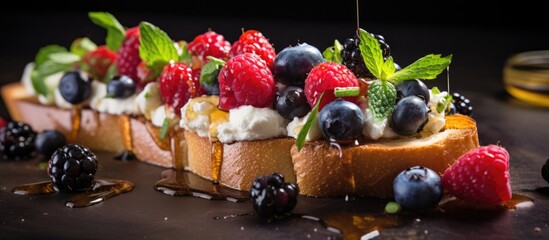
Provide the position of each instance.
(102, 190)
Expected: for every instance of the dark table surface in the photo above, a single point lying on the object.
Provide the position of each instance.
(479, 50)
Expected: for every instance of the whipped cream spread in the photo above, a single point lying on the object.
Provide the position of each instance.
(162, 112)
(436, 120)
(296, 124)
(100, 102)
(251, 123)
(149, 99)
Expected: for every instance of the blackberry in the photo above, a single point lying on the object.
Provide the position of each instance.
(352, 57)
(545, 171)
(72, 168)
(272, 197)
(462, 104)
(17, 140)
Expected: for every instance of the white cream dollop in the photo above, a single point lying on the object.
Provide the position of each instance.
(296, 124)
(201, 123)
(162, 112)
(52, 84)
(376, 129)
(436, 120)
(149, 99)
(115, 106)
(251, 123)
(26, 78)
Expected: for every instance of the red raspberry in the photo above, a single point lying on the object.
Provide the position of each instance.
(177, 85)
(246, 80)
(128, 55)
(98, 61)
(144, 75)
(326, 77)
(253, 41)
(480, 176)
(2, 122)
(209, 44)
(198, 90)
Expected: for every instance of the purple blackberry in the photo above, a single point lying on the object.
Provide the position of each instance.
(462, 105)
(352, 58)
(17, 141)
(72, 168)
(272, 197)
(545, 171)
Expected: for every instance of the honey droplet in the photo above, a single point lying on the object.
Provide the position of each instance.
(34, 188)
(217, 160)
(101, 191)
(76, 118)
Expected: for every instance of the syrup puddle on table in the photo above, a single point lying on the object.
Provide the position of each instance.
(353, 225)
(185, 183)
(102, 190)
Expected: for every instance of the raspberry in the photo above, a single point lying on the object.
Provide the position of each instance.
(144, 75)
(272, 197)
(72, 168)
(326, 77)
(178, 83)
(17, 140)
(98, 61)
(246, 80)
(128, 55)
(2, 122)
(253, 41)
(480, 176)
(209, 44)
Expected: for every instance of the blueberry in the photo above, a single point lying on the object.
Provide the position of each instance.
(341, 120)
(48, 141)
(417, 188)
(291, 102)
(75, 87)
(292, 64)
(121, 87)
(409, 116)
(413, 88)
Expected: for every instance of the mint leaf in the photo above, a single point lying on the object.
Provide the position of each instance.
(428, 67)
(44, 53)
(46, 69)
(64, 58)
(210, 71)
(371, 52)
(388, 68)
(346, 91)
(38, 83)
(81, 46)
(111, 72)
(302, 135)
(157, 49)
(184, 55)
(333, 53)
(381, 99)
(443, 103)
(164, 129)
(115, 30)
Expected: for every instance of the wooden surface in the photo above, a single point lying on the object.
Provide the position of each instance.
(479, 55)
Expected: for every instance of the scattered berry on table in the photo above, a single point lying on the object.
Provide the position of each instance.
(178, 83)
(17, 140)
(325, 77)
(75, 86)
(207, 44)
(462, 104)
(128, 55)
(121, 86)
(272, 197)
(253, 41)
(480, 176)
(48, 141)
(98, 61)
(545, 171)
(3, 122)
(417, 188)
(414, 87)
(72, 168)
(352, 57)
(409, 116)
(246, 80)
(293, 64)
(341, 121)
(291, 102)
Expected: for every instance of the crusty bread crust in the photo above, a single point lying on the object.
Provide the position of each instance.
(319, 169)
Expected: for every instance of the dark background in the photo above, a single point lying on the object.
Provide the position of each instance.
(481, 38)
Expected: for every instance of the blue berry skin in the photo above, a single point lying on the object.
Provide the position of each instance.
(409, 116)
(417, 188)
(291, 102)
(413, 88)
(341, 120)
(48, 141)
(75, 87)
(121, 87)
(292, 64)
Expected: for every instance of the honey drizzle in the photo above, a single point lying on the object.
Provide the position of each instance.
(179, 149)
(125, 129)
(163, 144)
(76, 118)
(217, 159)
(97, 118)
(347, 163)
